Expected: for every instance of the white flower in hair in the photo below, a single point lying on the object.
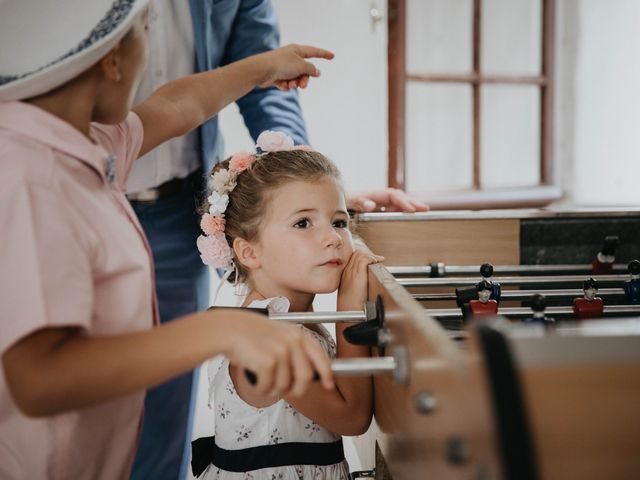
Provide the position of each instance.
(272, 141)
(218, 203)
(223, 181)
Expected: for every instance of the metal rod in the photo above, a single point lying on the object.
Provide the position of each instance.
(363, 366)
(319, 317)
(467, 281)
(525, 294)
(499, 269)
(523, 312)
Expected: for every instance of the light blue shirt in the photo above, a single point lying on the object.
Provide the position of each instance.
(229, 30)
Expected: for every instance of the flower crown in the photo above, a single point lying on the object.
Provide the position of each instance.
(214, 249)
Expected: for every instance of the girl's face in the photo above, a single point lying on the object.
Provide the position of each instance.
(304, 241)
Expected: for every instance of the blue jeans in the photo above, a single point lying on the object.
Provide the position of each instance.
(182, 285)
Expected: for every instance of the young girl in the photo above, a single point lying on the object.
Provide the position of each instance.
(77, 302)
(277, 221)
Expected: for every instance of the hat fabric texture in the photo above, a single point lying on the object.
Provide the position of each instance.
(46, 43)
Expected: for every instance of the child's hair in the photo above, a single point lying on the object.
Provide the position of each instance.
(248, 200)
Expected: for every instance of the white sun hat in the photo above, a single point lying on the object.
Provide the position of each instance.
(46, 43)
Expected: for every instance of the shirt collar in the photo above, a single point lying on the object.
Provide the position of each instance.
(43, 127)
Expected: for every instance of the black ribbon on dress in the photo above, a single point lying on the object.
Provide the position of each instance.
(204, 451)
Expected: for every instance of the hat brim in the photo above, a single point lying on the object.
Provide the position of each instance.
(60, 72)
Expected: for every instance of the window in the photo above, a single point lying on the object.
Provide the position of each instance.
(471, 101)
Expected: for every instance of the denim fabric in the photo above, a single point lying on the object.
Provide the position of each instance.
(182, 283)
(229, 30)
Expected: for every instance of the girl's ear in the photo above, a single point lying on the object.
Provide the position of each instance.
(110, 64)
(245, 253)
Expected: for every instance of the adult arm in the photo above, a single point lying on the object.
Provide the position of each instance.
(255, 30)
(54, 370)
(181, 105)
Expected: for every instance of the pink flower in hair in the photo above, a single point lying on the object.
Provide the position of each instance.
(271, 141)
(214, 250)
(211, 224)
(241, 161)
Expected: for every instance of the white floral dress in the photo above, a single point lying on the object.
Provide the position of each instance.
(239, 425)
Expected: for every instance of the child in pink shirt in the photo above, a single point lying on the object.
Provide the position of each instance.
(77, 304)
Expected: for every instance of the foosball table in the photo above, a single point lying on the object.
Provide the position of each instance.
(548, 389)
(506, 344)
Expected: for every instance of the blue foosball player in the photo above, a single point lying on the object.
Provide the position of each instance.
(486, 270)
(632, 286)
(539, 305)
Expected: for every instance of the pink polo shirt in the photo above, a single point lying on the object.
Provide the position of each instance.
(71, 254)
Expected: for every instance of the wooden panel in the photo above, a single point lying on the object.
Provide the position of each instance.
(414, 444)
(449, 241)
(584, 420)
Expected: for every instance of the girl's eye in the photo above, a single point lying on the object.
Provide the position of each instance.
(340, 224)
(302, 223)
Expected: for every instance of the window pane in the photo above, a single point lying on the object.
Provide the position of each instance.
(510, 136)
(438, 137)
(511, 37)
(439, 36)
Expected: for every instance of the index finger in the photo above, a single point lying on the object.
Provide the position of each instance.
(308, 51)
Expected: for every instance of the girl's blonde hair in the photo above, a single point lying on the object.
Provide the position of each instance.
(248, 200)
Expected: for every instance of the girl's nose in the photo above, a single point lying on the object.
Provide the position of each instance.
(333, 238)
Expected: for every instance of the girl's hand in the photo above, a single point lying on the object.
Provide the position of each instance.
(352, 292)
(287, 68)
(283, 358)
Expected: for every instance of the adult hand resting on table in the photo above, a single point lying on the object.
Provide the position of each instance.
(388, 199)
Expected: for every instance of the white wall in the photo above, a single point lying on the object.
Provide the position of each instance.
(599, 101)
(597, 137)
(346, 108)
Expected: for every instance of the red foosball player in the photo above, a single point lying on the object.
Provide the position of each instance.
(588, 306)
(603, 263)
(484, 306)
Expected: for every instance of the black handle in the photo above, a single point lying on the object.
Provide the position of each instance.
(252, 378)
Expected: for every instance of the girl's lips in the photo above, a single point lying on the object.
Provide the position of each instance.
(336, 262)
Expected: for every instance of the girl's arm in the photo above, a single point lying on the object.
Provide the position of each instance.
(184, 104)
(347, 409)
(55, 370)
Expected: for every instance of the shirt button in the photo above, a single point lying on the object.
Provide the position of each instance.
(158, 73)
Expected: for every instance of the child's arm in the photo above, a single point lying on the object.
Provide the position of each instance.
(182, 105)
(55, 370)
(346, 409)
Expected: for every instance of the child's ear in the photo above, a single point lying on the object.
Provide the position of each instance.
(110, 64)
(245, 253)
